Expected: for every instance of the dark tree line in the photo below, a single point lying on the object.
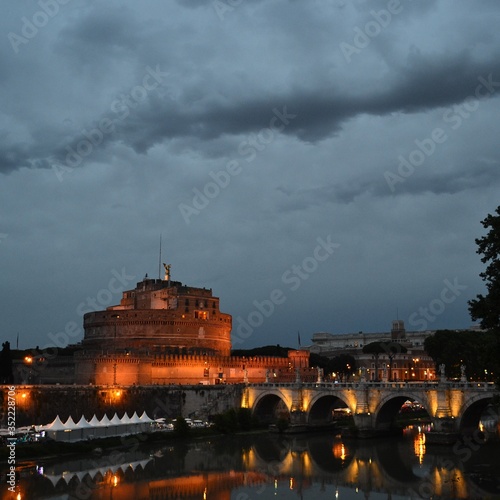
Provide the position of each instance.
(478, 351)
(486, 308)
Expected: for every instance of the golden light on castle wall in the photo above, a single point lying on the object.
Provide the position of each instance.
(23, 398)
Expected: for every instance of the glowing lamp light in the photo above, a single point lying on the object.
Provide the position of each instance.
(28, 360)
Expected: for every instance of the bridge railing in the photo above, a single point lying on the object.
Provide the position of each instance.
(382, 385)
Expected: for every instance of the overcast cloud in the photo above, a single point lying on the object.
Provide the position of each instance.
(340, 152)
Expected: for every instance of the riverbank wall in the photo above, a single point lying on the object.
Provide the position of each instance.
(40, 404)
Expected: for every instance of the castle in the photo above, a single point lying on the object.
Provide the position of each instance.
(164, 332)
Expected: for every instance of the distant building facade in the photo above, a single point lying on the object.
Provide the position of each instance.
(415, 364)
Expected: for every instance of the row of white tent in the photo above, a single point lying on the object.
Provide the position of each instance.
(71, 431)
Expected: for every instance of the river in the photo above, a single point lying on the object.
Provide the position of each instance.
(269, 466)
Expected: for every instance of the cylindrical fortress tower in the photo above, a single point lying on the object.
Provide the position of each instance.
(161, 315)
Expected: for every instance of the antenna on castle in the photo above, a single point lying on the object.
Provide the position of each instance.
(159, 262)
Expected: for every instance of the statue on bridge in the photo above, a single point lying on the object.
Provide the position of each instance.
(320, 375)
(384, 373)
(463, 378)
(441, 371)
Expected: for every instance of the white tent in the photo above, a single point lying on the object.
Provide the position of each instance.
(55, 425)
(70, 423)
(83, 428)
(82, 423)
(125, 419)
(116, 420)
(57, 430)
(134, 419)
(94, 421)
(105, 421)
(95, 428)
(144, 418)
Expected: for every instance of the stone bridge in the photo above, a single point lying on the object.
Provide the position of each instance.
(452, 406)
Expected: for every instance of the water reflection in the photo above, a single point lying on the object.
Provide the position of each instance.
(268, 466)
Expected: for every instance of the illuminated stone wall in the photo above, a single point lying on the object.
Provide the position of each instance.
(160, 314)
(130, 369)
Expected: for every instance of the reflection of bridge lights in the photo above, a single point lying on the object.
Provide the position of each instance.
(291, 483)
(419, 445)
(115, 480)
(205, 493)
(339, 451)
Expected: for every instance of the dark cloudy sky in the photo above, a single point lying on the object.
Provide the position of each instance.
(335, 157)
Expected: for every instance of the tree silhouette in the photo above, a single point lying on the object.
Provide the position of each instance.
(6, 376)
(486, 307)
(384, 347)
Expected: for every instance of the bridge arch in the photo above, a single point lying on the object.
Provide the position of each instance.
(472, 410)
(321, 406)
(390, 405)
(271, 406)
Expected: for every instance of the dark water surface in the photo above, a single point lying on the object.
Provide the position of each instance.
(271, 466)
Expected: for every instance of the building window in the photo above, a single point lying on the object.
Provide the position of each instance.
(201, 315)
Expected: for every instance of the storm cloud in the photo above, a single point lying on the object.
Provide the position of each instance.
(243, 133)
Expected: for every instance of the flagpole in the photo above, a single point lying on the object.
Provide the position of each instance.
(159, 261)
